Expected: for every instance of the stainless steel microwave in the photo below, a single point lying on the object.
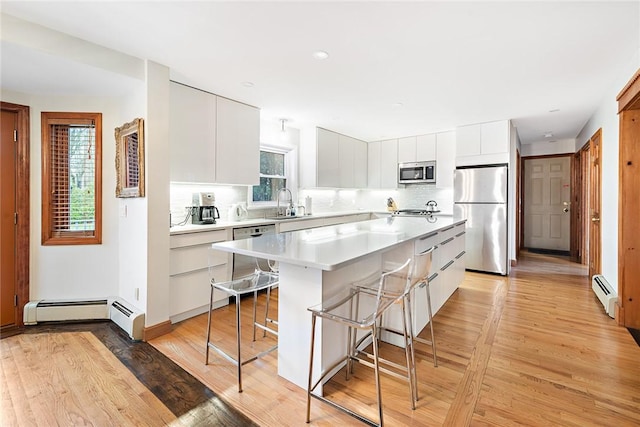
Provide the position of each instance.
(417, 173)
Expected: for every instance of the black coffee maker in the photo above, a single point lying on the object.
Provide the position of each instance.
(203, 210)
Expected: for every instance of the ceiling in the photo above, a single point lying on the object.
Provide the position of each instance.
(394, 68)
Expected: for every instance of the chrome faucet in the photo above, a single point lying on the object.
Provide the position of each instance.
(278, 212)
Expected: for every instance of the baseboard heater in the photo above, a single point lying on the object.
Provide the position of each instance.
(605, 293)
(114, 309)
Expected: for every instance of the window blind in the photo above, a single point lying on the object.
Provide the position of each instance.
(72, 202)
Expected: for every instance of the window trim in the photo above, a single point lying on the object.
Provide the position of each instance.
(50, 238)
(288, 174)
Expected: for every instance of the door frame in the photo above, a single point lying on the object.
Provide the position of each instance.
(22, 208)
(523, 195)
(580, 205)
(628, 308)
(594, 211)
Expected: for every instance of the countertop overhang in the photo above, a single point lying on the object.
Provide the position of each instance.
(332, 247)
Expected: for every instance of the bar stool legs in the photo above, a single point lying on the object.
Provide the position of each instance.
(432, 341)
(236, 288)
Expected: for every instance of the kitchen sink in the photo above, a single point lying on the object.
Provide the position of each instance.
(279, 217)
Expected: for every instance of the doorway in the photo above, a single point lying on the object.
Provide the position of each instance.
(628, 309)
(547, 202)
(14, 215)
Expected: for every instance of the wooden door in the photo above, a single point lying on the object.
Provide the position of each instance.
(595, 178)
(8, 289)
(629, 220)
(547, 186)
(14, 215)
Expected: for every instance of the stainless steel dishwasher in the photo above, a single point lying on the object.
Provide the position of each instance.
(242, 264)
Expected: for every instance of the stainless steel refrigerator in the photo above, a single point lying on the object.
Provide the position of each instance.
(480, 196)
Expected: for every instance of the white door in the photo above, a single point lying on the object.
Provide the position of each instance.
(547, 189)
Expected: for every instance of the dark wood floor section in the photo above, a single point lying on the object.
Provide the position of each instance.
(174, 386)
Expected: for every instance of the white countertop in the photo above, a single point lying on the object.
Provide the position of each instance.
(221, 225)
(331, 247)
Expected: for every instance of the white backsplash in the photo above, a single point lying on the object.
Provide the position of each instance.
(413, 196)
(324, 200)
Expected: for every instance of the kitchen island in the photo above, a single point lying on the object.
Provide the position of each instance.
(316, 263)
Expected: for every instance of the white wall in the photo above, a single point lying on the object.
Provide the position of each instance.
(606, 117)
(157, 194)
(86, 271)
(544, 148)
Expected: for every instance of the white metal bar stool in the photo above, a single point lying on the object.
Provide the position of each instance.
(274, 268)
(252, 283)
(421, 265)
(346, 309)
(422, 269)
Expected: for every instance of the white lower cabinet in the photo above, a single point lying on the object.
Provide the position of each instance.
(192, 264)
(447, 272)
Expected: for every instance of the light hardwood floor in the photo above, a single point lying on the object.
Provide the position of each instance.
(532, 349)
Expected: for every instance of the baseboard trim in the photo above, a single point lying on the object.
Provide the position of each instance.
(157, 330)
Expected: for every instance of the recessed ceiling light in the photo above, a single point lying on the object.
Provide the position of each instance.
(320, 54)
(247, 84)
(397, 105)
(548, 135)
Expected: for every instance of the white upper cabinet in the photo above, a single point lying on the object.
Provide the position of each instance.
(389, 164)
(485, 143)
(426, 147)
(192, 134)
(494, 137)
(417, 148)
(238, 143)
(361, 164)
(341, 161)
(373, 162)
(328, 151)
(446, 155)
(468, 140)
(407, 149)
(212, 139)
(346, 157)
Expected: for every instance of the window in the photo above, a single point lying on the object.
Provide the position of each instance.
(71, 178)
(272, 176)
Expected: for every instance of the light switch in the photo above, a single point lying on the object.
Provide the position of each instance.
(123, 211)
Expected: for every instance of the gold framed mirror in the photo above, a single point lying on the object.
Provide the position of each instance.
(130, 159)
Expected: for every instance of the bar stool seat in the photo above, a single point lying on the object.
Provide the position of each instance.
(346, 308)
(257, 281)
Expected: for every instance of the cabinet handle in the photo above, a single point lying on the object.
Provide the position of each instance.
(450, 239)
(460, 255)
(431, 249)
(460, 234)
(447, 265)
(427, 236)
